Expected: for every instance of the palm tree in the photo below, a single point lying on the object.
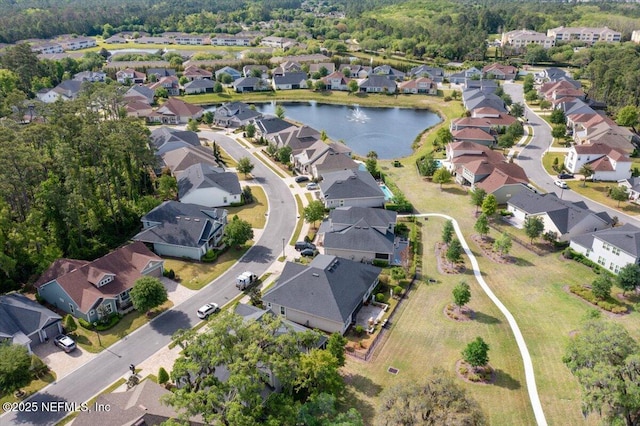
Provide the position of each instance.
(587, 172)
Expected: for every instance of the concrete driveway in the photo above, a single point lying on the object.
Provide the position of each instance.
(59, 361)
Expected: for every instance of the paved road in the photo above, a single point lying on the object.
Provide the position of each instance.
(529, 373)
(113, 363)
(530, 159)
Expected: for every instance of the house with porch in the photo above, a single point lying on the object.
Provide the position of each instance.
(612, 248)
(26, 322)
(632, 186)
(500, 72)
(198, 86)
(183, 230)
(339, 288)
(170, 84)
(250, 84)
(270, 128)
(131, 76)
(193, 72)
(350, 188)
(562, 217)
(336, 81)
(93, 289)
(608, 164)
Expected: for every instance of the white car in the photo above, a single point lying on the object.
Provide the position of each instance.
(207, 310)
(312, 186)
(561, 184)
(64, 342)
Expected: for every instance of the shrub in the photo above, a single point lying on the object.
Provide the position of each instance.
(40, 299)
(38, 367)
(110, 322)
(610, 305)
(163, 376)
(210, 256)
(238, 204)
(380, 297)
(380, 263)
(85, 324)
(567, 253)
(70, 324)
(359, 330)
(397, 273)
(397, 290)
(506, 213)
(447, 98)
(310, 237)
(171, 275)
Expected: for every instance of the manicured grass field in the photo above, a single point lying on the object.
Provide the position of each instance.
(547, 161)
(255, 212)
(195, 275)
(597, 191)
(532, 288)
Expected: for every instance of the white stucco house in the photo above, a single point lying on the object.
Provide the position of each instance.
(608, 164)
(611, 248)
(208, 186)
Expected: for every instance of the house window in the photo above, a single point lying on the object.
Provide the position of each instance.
(616, 251)
(616, 269)
(92, 313)
(282, 310)
(224, 200)
(71, 308)
(108, 308)
(606, 246)
(611, 265)
(601, 260)
(268, 304)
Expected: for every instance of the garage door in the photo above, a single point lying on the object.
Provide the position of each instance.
(51, 330)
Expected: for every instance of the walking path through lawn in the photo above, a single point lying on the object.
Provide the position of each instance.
(522, 345)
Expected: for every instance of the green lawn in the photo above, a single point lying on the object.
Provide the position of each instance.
(296, 232)
(35, 386)
(195, 275)
(532, 288)
(547, 161)
(597, 191)
(254, 213)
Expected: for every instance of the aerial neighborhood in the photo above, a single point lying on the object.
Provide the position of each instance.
(317, 213)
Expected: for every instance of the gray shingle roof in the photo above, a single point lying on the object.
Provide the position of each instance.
(19, 314)
(346, 216)
(625, 237)
(272, 125)
(564, 214)
(165, 139)
(330, 287)
(349, 184)
(379, 81)
(182, 224)
(200, 84)
(290, 78)
(360, 237)
(201, 176)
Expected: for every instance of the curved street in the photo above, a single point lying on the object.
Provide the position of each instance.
(530, 159)
(113, 363)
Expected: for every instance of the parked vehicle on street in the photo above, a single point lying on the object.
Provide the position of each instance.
(312, 186)
(301, 179)
(206, 310)
(64, 342)
(245, 279)
(565, 176)
(561, 184)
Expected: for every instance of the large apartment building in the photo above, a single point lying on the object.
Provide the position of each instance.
(522, 38)
(586, 34)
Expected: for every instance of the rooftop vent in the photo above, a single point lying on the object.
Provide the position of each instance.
(315, 274)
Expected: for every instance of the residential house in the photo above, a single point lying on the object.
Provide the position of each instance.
(199, 86)
(138, 406)
(565, 218)
(193, 72)
(192, 39)
(234, 73)
(607, 163)
(140, 93)
(249, 71)
(25, 322)
(462, 77)
(389, 72)
(632, 185)
(289, 81)
(485, 118)
(320, 158)
(355, 71)
(47, 47)
(336, 81)
(612, 248)
(154, 40)
(504, 181)
(377, 84)
(432, 73)
(283, 43)
(161, 72)
(519, 39)
(585, 34)
(180, 159)
(421, 85)
(183, 230)
(116, 39)
(602, 129)
(250, 84)
(175, 111)
(339, 288)
(270, 127)
(92, 289)
(170, 84)
(287, 67)
(297, 138)
(500, 72)
(325, 68)
(483, 84)
(138, 109)
(165, 139)
(131, 76)
(473, 134)
(482, 98)
(361, 234)
(555, 90)
(208, 186)
(67, 90)
(91, 76)
(350, 188)
(235, 114)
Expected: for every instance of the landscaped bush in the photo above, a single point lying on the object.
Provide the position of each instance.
(568, 253)
(85, 324)
(70, 324)
(380, 297)
(169, 273)
(380, 263)
(397, 290)
(397, 273)
(39, 299)
(163, 376)
(358, 329)
(112, 320)
(610, 304)
(582, 259)
(506, 213)
(210, 256)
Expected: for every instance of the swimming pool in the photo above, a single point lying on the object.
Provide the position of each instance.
(388, 195)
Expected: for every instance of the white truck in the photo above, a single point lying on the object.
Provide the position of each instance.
(245, 279)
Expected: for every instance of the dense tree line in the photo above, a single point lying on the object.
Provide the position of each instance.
(614, 74)
(72, 184)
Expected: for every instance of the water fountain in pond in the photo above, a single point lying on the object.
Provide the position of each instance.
(358, 116)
